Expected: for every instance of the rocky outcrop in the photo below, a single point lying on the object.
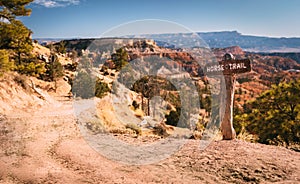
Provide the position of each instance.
(234, 50)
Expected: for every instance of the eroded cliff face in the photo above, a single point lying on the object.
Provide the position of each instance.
(21, 94)
(262, 65)
(266, 70)
(234, 50)
(16, 94)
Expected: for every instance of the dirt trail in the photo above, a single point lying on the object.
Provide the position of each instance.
(45, 146)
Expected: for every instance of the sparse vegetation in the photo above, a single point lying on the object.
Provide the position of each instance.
(15, 40)
(173, 117)
(120, 58)
(54, 70)
(101, 89)
(83, 85)
(135, 105)
(160, 130)
(205, 103)
(134, 127)
(16, 37)
(253, 123)
(95, 126)
(31, 68)
(243, 80)
(5, 64)
(150, 86)
(274, 116)
(20, 80)
(61, 48)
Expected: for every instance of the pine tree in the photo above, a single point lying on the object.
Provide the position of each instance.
(10, 9)
(5, 64)
(275, 115)
(120, 58)
(83, 85)
(13, 34)
(55, 69)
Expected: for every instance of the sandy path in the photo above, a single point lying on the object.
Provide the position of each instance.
(45, 146)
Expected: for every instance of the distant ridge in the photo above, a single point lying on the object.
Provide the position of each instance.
(222, 40)
(251, 43)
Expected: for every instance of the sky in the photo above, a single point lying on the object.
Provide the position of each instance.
(92, 18)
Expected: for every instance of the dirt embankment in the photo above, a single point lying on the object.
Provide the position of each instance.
(44, 145)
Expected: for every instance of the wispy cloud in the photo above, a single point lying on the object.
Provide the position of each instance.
(56, 3)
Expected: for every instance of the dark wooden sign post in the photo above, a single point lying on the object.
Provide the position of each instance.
(228, 67)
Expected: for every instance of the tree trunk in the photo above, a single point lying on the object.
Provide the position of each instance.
(153, 108)
(55, 85)
(19, 58)
(227, 121)
(148, 109)
(142, 102)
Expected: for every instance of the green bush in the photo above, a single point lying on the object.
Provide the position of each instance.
(61, 48)
(173, 117)
(134, 127)
(243, 80)
(95, 126)
(5, 63)
(135, 105)
(240, 122)
(274, 116)
(120, 58)
(83, 85)
(54, 69)
(206, 102)
(32, 69)
(101, 89)
(21, 80)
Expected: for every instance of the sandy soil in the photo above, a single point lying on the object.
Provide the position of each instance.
(44, 145)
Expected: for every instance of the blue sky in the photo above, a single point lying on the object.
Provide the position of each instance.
(90, 18)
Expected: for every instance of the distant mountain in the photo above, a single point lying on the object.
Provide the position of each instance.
(233, 38)
(46, 41)
(294, 56)
(216, 40)
(250, 43)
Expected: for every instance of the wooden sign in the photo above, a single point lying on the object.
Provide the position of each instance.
(228, 67)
